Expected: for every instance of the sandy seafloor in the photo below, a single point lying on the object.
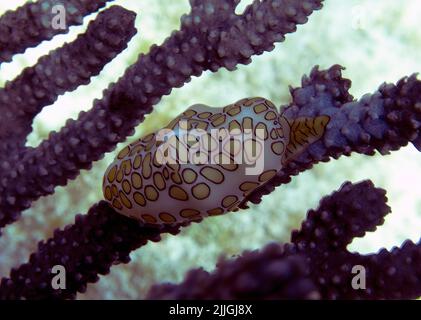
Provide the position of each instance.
(375, 40)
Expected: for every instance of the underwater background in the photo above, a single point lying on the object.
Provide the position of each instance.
(376, 41)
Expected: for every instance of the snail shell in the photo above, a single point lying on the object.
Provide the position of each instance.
(206, 161)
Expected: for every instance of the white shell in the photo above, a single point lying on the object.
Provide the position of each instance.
(140, 185)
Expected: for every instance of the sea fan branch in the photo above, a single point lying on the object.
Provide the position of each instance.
(61, 71)
(385, 121)
(89, 247)
(201, 44)
(316, 264)
(30, 24)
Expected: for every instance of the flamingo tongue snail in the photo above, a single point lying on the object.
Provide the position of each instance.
(245, 145)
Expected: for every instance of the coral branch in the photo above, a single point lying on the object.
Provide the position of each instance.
(315, 265)
(30, 24)
(63, 70)
(389, 275)
(349, 213)
(89, 247)
(203, 43)
(327, 274)
(265, 274)
(384, 121)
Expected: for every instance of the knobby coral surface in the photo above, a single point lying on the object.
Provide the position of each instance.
(29, 25)
(316, 264)
(211, 36)
(384, 121)
(62, 70)
(204, 42)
